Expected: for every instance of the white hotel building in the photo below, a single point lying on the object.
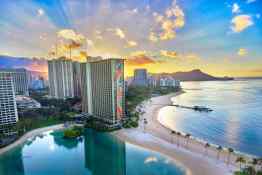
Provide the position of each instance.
(169, 82)
(8, 109)
(20, 80)
(60, 76)
(64, 78)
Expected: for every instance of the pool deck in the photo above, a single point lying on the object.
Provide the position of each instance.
(193, 156)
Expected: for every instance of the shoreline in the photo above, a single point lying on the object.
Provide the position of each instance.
(28, 135)
(234, 155)
(192, 156)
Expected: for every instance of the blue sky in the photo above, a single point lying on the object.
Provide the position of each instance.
(222, 37)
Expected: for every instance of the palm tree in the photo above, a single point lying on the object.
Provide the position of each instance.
(207, 145)
(250, 170)
(240, 160)
(219, 149)
(187, 139)
(230, 151)
(178, 135)
(260, 163)
(145, 123)
(255, 162)
(172, 136)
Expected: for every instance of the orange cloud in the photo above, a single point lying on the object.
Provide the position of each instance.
(241, 22)
(170, 54)
(69, 34)
(242, 52)
(173, 19)
(140, 59)
(131, 43)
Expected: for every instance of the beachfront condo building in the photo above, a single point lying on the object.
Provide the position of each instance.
(20, 80)
(168, 81)
(8, 109)
(103, 90)
(140, 77)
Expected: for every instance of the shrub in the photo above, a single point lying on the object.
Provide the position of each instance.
(73, 132)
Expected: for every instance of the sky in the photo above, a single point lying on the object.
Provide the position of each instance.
(220, 37)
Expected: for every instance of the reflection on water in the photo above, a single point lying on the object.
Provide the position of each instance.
(108, 157)
(96, 154)
(236, 120)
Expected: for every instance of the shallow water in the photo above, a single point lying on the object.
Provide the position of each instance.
(235, 122)
(96, 154)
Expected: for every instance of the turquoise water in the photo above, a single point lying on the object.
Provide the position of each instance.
(236, 120)
(96, 154)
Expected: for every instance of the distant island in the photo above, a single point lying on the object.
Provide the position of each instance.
(194, 75)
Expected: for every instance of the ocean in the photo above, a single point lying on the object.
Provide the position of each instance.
(236, 119)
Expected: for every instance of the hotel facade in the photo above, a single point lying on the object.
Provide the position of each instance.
(60, 75)
(8, 109)
(20, 80)
(103, 90)
(140, 77)
(64, 78)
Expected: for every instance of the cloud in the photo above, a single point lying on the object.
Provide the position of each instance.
(258, 16)
(250, 1)
(40, 12)
(133, 11)
(170, 54)
(150, 159)
(120, 33)
(140, 52)
(152, 37)
(242, 52)
(235, 8)
(172, 20)
(241, 22)
(139, 58)
(83, 54)
(71, 35)
(131, 44)
(43, 37)
(158, 18)
(192, 57)
(167, 35)
(148, 8)
(98, 35)
(89, 42)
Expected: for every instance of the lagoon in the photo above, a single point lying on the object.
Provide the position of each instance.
(95, 154)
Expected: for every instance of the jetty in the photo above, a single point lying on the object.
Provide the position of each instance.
(195, 108)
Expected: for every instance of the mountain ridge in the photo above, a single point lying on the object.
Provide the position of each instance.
(194, 75)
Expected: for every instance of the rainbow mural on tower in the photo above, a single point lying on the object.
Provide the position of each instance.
(119, 79)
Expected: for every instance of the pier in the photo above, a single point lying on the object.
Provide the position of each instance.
(196, 108)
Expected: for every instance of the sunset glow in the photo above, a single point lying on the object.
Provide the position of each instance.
(222, 38)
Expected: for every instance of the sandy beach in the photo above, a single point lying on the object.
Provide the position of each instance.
(192, 155)
(29, 135)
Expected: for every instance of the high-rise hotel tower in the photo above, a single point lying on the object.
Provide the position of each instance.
(60, 76)
(64, 78)
(103, 90)
(20, 80)
(8, 109)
